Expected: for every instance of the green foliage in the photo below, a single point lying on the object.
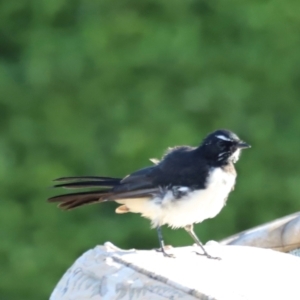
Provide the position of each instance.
(98, 87)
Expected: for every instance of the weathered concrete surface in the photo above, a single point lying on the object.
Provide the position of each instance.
(109, 273)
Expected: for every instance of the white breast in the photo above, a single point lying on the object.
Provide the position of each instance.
(195, 207)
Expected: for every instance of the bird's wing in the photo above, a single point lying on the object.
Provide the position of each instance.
(143, 178)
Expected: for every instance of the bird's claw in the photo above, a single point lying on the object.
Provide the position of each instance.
(165, 254)
(208, 255)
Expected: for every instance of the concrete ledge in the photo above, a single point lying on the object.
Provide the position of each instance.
(282, 234)
(107, 272)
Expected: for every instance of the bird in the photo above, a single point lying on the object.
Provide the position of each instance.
(187, 186)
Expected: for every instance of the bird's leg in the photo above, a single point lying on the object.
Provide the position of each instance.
(162, 243)
(190, 231)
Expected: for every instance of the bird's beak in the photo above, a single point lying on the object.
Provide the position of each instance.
(243, 145)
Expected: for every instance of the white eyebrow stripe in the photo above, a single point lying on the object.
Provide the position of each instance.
(224, 138)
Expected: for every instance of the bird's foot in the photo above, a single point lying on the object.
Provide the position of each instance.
(208, 255)
(165, 253)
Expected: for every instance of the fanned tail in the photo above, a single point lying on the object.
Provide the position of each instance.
(110, 191)
(73, 200)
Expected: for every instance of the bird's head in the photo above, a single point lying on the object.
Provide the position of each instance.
(223, 146)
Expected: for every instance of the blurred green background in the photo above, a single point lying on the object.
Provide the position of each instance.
(97, 87)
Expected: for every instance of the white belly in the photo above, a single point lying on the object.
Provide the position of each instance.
(193, 208)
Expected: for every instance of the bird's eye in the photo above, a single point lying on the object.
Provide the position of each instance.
(220, 144)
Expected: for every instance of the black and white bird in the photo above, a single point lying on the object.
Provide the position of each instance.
(187, 186)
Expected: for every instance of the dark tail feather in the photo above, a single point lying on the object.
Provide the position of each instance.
(75, 196)
(89, 184)
(97, 178)
(73, 200)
